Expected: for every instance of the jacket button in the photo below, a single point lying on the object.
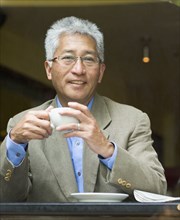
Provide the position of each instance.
(8, 174)
(120, 181)
(9, 171)
(128, 185)
(7, 178)
(124, 182)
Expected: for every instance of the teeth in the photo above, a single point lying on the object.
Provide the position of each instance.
(78, 82)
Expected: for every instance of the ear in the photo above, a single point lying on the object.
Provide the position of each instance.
(48, 69)
(101, 71)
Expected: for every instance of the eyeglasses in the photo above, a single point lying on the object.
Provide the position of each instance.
(69, 60)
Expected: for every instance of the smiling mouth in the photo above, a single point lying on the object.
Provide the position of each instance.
(77, 82)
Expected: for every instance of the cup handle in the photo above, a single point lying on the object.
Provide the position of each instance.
(52, 126)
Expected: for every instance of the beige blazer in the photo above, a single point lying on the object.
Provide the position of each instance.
(46, 174)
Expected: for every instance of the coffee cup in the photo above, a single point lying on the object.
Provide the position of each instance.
(56, 119)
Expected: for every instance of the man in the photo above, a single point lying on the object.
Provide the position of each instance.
(109, 150)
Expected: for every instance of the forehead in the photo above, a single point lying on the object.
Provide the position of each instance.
(76, 42)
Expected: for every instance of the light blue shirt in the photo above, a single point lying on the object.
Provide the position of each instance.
(16, 153)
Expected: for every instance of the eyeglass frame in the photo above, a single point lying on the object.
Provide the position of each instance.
(75, 60)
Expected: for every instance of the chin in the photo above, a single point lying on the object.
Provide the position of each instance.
(81, 100)
(76, 96)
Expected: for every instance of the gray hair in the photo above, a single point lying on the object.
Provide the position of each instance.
(72, 25)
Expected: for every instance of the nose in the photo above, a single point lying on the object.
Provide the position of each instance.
(78, 67)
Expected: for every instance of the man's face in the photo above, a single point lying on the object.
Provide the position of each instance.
(77, 81)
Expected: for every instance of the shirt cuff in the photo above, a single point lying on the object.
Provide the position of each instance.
(15, 152)
(109, 162)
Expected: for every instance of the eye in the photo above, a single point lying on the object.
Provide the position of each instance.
(68, 58)
(89, 59)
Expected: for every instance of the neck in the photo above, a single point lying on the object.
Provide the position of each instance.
(64, 102)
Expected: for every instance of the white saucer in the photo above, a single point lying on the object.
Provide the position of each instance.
(99, 197)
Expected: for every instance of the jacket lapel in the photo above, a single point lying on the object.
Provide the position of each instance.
(58, 156)
(91, 160)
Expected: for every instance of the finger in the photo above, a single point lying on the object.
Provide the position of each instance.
(48, 109)
(67, 127)
(37, 132)
(80, 107)
(38, 120)
(41, 114)
(44, 125)
(72, 113)
(76, 133)
(36, 136)
(79, 111)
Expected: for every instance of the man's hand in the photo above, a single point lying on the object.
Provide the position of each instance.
(34, 125)
(87, 129)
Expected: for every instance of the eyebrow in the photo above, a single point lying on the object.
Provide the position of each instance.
(86, 52)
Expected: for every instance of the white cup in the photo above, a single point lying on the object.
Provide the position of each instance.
(56, 119)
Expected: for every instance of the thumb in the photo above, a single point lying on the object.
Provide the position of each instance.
(48, 109)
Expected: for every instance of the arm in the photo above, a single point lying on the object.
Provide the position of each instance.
(15, 183)
(15, 152)
(15, 179)
(109, 162)
(137, 165)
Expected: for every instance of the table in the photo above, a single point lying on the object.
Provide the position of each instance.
(88, 211)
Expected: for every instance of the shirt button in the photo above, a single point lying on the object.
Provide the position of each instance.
(79, 173)
(18, 154)
(77, 143)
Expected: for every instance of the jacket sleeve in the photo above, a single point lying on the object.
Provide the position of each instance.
(137, 165)
(14, 181)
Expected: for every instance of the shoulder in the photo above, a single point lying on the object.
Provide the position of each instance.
(114, 106)
(40, 107)
(124, 113)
